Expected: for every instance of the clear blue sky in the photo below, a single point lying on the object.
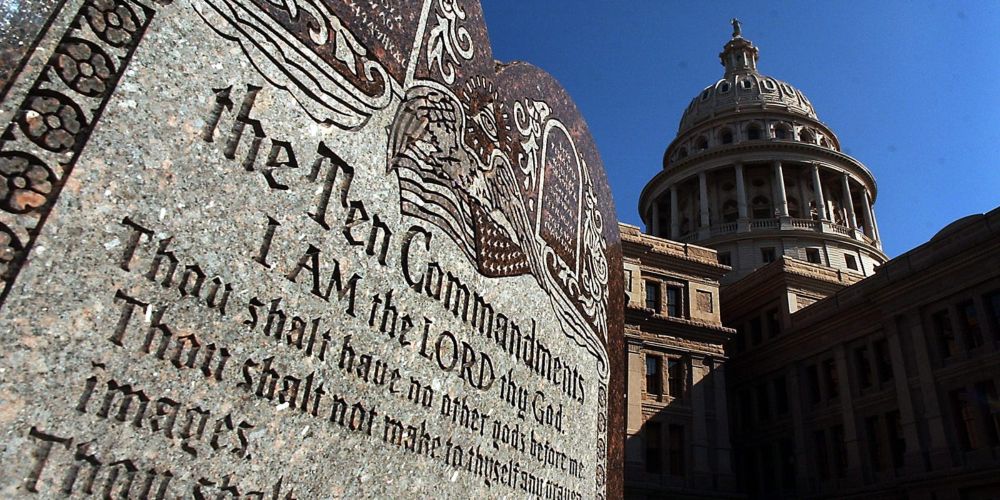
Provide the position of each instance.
(911, 89)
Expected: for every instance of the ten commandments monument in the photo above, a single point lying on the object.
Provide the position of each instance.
(299, 249)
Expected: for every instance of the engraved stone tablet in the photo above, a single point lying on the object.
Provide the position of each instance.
(300, 249)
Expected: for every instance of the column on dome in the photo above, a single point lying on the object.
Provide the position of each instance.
(852, 219)
(703, 202)
(867, 214)
(654, 225)
(779, 179)
(818, 193)
(675, 221)
(741, 192)
(878, 235)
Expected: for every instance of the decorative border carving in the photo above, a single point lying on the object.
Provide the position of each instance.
(41, 145)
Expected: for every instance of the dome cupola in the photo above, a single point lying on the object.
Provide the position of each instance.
(739, 55)
(742, 88)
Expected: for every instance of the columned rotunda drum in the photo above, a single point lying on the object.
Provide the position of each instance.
(754, 174)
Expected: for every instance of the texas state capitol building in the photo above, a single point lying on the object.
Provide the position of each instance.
(773, 350)
(754, 174)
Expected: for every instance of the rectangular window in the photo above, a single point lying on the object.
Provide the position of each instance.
(992, 300)
(780, 396)
(676, 377)
(756, 331)
(875, 449)
(831, 379)
(674, 301)
(767, 468)
(812, 255)
(654, 384)
(945, 334)
(863, 366)
(839, 451)
(812, 384)
(963, 419)
(852, 263)
(767, 254)
(628, 280)
(750, 464)
(787, 454)
(822, 457)
(883, 361)
(741, 339)
(989, 405)
(897, 445)
(773, 323)
(746, 410)
(676, 450)
(970, 325)
(654, 453)
(652, 295)
(726, 259)
(763, 404)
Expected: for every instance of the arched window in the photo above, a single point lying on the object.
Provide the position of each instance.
(702, 143)
(753, 132)
(724, 87)
(730, 212)
(782, 132)
(806, 135)
(726, 136)
(761, 208)
(747, 84)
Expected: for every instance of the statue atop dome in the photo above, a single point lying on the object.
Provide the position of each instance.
(737, 27)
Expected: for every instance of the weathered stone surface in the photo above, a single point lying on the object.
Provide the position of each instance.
(301, 249)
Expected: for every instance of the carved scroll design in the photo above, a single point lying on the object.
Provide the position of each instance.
(50, 128)
(529, 115)
(324, 68)
(449, 40)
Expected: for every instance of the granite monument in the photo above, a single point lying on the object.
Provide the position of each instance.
(299, 249)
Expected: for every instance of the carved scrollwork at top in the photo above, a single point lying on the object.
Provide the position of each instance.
(301, 46)
(529, 116)
(449, 40)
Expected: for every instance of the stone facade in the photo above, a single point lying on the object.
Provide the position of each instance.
(887, 387)
(677, 439)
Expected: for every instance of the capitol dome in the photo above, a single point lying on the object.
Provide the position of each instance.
(754, 174)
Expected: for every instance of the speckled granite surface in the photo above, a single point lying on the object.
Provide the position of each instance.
(302, 250)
